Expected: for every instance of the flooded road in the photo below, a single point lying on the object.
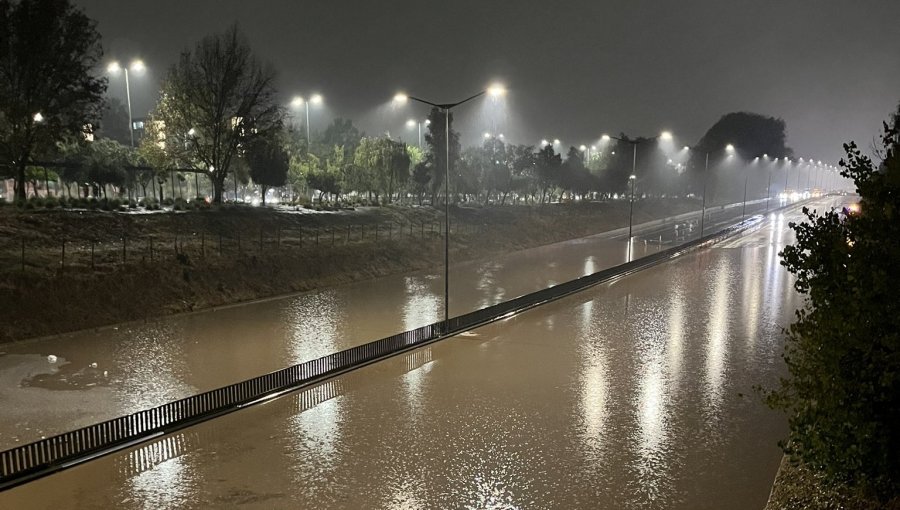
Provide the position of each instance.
(634, 394)
(105, 373)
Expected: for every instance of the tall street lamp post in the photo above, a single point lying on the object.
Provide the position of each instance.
(729, 149)
(136, 66)
(299, 101)
(495, 91)
(414, 123)
(665, 135)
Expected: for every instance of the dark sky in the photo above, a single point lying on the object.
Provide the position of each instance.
(574, 69)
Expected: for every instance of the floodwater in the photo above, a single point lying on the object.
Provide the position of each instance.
(101, 374)
(634, 394)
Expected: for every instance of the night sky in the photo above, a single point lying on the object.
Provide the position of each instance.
(574, 70)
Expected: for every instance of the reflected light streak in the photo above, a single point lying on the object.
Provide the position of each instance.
(168, 483)
(421, 306)
(315, 319)
(717, 336)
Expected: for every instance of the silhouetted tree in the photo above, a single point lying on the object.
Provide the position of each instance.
(216, 99)
(436, 140)
(48, 52)
(268, 163)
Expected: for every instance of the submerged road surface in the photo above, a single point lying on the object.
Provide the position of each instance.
(635, 394)
(99, 375)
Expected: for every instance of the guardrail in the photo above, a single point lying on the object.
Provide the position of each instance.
(40, 458)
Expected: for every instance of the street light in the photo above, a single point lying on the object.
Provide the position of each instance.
(665, 135)
(299, 101)
(495, 91)
(137, 66)
(414, 123)
(729, 148)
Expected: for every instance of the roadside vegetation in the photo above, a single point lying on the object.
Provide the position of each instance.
(842, 396)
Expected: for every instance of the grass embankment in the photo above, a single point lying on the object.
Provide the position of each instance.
(798, 488)
(92, 268)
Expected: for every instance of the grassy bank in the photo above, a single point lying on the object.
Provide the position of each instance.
(799, 488)
(68, 270)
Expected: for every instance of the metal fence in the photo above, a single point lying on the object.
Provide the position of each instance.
(40, 458)
(68, 253)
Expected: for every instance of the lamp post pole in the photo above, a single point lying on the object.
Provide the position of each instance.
(744, 209)
(703, 207)
(633, 178)
(128, 99)
(446, 108)
(768, 190)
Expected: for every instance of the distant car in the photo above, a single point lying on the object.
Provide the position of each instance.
(850, 210)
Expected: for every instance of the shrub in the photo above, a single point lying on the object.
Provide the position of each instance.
(132, 204)
(51, 202)
(168, 201)
(36, 201)
(843, 352)
(3, 201)
(64, 202)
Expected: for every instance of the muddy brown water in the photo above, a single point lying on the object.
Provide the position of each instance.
(636, 394)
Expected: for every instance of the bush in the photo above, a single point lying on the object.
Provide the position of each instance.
(51, 202)
(168, 201)
(132, 204)
(3, 201)
(37, 202)
(843, 352)
(63, 202)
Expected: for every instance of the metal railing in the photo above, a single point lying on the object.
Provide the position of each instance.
(40, 458)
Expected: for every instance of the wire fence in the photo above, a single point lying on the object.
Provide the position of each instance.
(30, 461)
(24, 253)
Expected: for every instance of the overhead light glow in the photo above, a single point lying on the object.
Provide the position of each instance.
(401, 98)
(316, 99)
(496, 90)
(665, 135)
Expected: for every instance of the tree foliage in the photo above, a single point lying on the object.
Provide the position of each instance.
(843, 352)
(269, 163)
(216, 99)
(48, 50)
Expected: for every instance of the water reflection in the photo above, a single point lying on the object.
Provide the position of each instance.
(149, 371)
(421, 306)
(315, 324)
(169, 483)
(717, 336)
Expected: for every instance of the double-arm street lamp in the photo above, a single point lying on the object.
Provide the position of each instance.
(136, 66)
(493, 90)
(299, 101)
(665, 135)
(730, 150)
(415, 123)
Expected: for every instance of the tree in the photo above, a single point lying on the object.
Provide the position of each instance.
(547, 164)
(48, 51)
(114, 122)
(268, 162)
(436, 140)
(217, 99)
(843, 352)
(342, 133)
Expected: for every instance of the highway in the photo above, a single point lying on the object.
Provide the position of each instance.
(634, 394)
